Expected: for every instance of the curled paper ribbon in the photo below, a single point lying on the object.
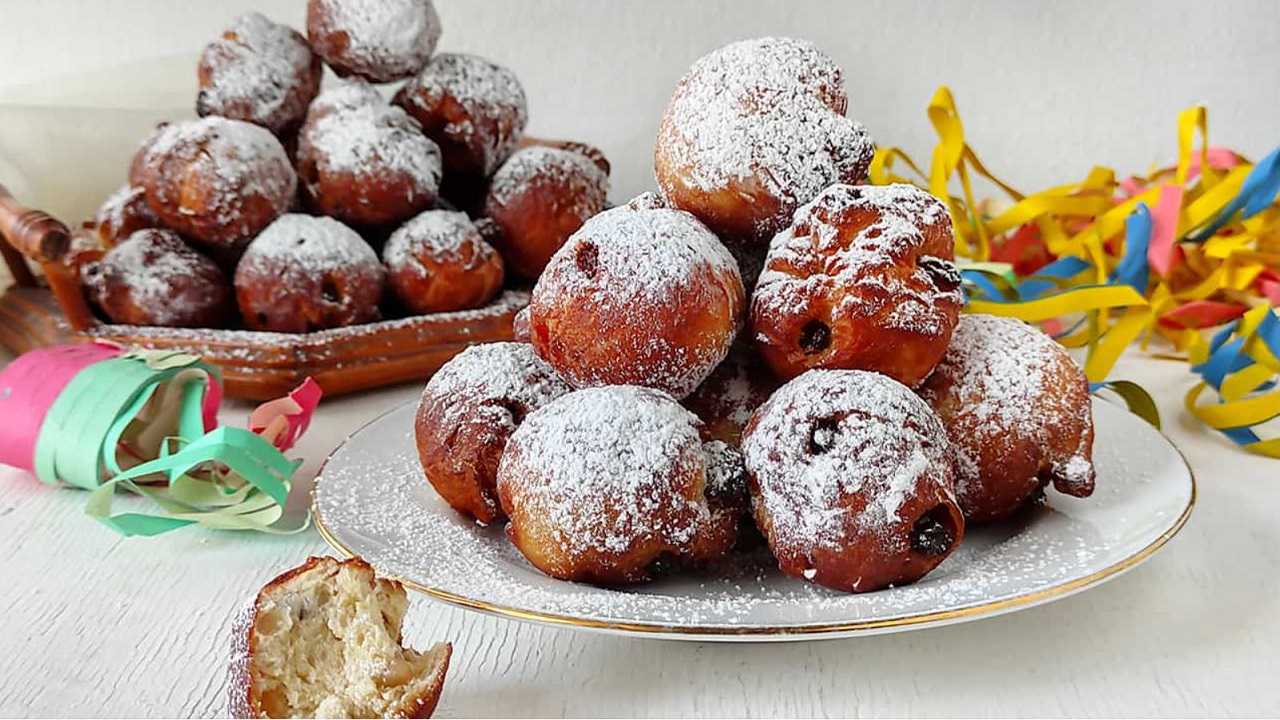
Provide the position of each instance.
(284, 420)
(1104, 264)
(102, 419)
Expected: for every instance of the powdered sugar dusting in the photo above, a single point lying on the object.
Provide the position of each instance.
(653, 250)
(149, 264)
(587, 185)
(259, 72)
(605, 468)
(372, 140)
(769, 110)
(489, 94)
(443, 235)
(484, 382)
(237, 159)
(831, 434)
(630, 265)
(873, 272)
(370, 495)
(309, 247)
(385, 39)
(125, 208)
(1003, 374)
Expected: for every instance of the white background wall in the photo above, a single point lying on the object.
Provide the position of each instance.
(1045, 89)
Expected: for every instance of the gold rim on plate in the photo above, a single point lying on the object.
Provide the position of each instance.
(971, 612)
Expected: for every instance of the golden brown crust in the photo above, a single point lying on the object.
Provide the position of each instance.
(638, 297)
(1017, 411)
(441, 265)
(754, 130)
(538, 198)
(468, 412)
(609, 485)
(258, 72)
(308, 273)
(472, 108)
(217, 181)
(138, 163)
(153, 278)
(852, 481)
(392, 175)
(386, 47)
(123, 214)
(851, 285)
(460, 461)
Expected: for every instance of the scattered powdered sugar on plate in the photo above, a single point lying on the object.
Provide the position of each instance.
(876, 270)
(831, 434)
(768, 110)
(392, 38)
(261, 68)
(487, 383)
(371, 496)
(586, 185)
(608, 468)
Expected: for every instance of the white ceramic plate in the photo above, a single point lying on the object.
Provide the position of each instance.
(372, 500)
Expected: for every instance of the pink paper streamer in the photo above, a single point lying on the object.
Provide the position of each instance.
(1220, 158)
(212, 401)
(284, 420)
(28, 388)
(1163, 253)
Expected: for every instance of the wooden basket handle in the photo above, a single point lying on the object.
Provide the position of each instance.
(41, 238)
(32, 232)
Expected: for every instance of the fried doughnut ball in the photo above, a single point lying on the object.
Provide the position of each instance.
(1016, 408)
(605, 485)
(474, 109)
(138, 163)
(638, 297)
(731, 393)
(259, 72)
(217, 181)
(728, 502)
(307, 273)
(153, 278)
(520, 326)
(849, 285)
(122, 214)
(539, 197)
(753, 131)
(366, 163)
(466, 415)
(378, 40)
(437, 262)
(852, 481)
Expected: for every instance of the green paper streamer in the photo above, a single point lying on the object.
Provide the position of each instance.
(229, 478)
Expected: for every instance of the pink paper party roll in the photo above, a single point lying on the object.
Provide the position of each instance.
(28, 387)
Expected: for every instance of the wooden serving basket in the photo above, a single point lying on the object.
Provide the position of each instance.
(37, 311)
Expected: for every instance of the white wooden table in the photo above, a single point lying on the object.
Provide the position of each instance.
(92, 624)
